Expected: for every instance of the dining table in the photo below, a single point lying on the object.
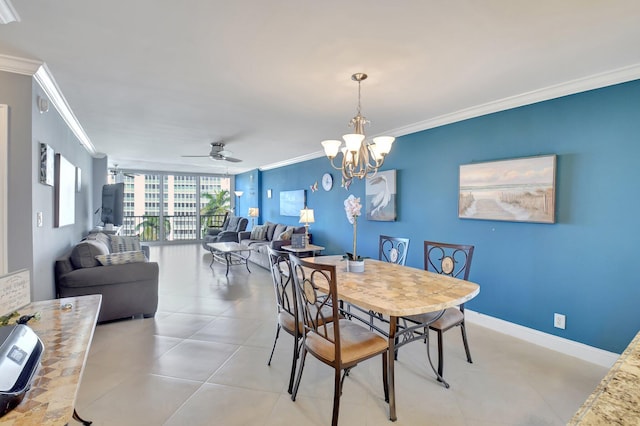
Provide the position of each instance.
(392, 291)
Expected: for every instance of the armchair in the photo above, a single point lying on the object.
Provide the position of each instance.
(231, 227)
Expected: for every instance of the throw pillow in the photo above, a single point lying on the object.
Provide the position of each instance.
(271, 227)
(259, 233)
(120, 243)
(280, 228)
(121, 258)
(99, 236)
(286, 235)
(84, 253)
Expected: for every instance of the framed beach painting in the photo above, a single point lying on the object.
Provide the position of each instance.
(380, 194)
(291, 202)
(516, 190)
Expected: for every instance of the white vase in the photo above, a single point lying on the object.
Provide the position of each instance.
(355, 265)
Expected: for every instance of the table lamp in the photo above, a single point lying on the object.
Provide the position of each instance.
(306, 217)
(253, 213)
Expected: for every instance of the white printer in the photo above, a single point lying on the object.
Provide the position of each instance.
(20, 353)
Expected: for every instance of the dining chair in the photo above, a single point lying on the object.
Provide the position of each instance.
(393, 249)
(334, 341)
(285, 304)
(453, 260)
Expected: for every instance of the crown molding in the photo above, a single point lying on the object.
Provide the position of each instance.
(17, 65)
(46, 81)
(596, 81)
(41, 73)
(8, 13)
(291, 161)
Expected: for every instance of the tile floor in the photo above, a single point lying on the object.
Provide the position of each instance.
(202, 361)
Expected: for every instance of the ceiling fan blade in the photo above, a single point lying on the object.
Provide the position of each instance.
(203, 156)
(232, 160)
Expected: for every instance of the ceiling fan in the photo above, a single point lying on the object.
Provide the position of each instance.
(115, 172)
(218, 153)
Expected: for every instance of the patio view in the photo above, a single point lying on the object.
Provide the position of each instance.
(190, 204)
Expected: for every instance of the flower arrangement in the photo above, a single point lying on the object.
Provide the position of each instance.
(352, 208)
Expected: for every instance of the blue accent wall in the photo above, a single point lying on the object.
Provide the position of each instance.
(581, 266)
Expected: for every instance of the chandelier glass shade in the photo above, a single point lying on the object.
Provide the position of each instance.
(360, 158)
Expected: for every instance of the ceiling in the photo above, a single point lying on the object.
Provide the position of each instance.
(152, 80)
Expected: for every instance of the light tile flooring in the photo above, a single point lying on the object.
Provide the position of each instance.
(202, 361)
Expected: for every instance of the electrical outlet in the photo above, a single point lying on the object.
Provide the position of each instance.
(39, 219)
(559, 321)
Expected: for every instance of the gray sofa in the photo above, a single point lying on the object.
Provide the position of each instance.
(275, 236)
(127, 289)
(229, 231)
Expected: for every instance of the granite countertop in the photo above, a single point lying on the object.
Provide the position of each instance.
(616, 400)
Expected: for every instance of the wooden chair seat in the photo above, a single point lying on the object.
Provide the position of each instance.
(450, 318)
(356, 343)
(287, 320)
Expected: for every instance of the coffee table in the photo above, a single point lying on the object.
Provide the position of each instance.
(230, 253)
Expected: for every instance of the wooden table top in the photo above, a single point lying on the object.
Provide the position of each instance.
(66, 335)
(616, 400)
(397, 290)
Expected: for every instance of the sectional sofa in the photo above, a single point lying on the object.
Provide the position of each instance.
(274, 235)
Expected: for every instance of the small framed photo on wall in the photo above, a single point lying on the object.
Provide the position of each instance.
(47, 162)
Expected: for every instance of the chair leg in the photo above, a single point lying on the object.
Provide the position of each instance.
(337, 390)
(440, 353)
(294, 363)
(385, 375)
(274, 344)
(466, 343)
(295, 387)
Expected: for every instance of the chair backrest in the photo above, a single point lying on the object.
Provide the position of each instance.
(448, 259)
(236, 224)
(393, 249)
(318, 309)
(282, 282)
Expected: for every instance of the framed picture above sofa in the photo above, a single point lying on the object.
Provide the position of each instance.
(291, 202)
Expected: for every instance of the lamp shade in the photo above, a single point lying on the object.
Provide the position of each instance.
(238, 193)
(353, 141)
(331, 147)
(254, 212)
(306, 216)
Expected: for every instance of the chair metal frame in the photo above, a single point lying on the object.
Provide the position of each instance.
(281, 276)
(321, 333)
(393, 249)
(453, 260)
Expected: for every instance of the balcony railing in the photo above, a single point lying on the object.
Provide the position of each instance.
(183, 227)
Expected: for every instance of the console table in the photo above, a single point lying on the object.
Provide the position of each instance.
(66, 328)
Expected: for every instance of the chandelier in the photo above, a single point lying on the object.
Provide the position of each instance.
(360, 159)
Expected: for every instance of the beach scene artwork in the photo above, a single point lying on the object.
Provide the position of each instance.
(517, 190)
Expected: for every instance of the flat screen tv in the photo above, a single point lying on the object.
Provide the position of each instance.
(112, 204)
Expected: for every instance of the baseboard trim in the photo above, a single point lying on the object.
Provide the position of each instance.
(549, 341)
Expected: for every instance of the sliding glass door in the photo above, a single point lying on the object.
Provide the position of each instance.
(172, 207)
